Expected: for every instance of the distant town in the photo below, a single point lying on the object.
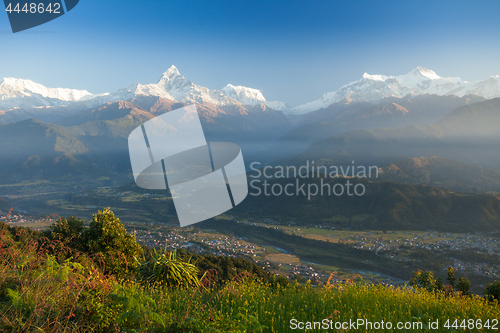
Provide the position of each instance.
(391, 244)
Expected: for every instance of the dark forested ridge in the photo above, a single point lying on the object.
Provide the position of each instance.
(385, 205)
(442, 172)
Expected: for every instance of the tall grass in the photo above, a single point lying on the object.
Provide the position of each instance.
(254, 306)
(43, 291)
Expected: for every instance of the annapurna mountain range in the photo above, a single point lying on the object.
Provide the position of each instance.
(419, 81)
(25, 96)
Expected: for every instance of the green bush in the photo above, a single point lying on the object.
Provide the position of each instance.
(69, 231)
(492, 291)
(426, 280)
(463, 285)
(108, 242)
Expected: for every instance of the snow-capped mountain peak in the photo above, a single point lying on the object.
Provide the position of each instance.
(244, 95)
(172, 79)
(367, 76)
(11, 88)
(24, 94)
(183, 90)
(172, 71)
(427, 73)
(171, 85)
(19, 93)
(417, 82)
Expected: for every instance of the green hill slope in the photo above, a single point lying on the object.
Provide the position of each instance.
(385, 205)
(442, 172)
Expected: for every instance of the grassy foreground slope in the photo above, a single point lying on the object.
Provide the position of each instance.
(66, 298)
(48, 286)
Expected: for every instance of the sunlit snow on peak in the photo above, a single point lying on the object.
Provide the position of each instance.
(430, 74)
(417, 82)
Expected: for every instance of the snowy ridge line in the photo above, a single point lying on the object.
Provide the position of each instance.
(18, 93)
(26, 94)
(417, 82)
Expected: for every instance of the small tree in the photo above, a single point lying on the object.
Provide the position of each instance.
(451, 277)
(69, 231)
(463, 285)
(426, 280)
(107, 238)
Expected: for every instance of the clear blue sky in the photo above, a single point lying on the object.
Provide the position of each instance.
(293, 51)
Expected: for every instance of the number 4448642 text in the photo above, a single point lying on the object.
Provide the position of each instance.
(34, 8)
